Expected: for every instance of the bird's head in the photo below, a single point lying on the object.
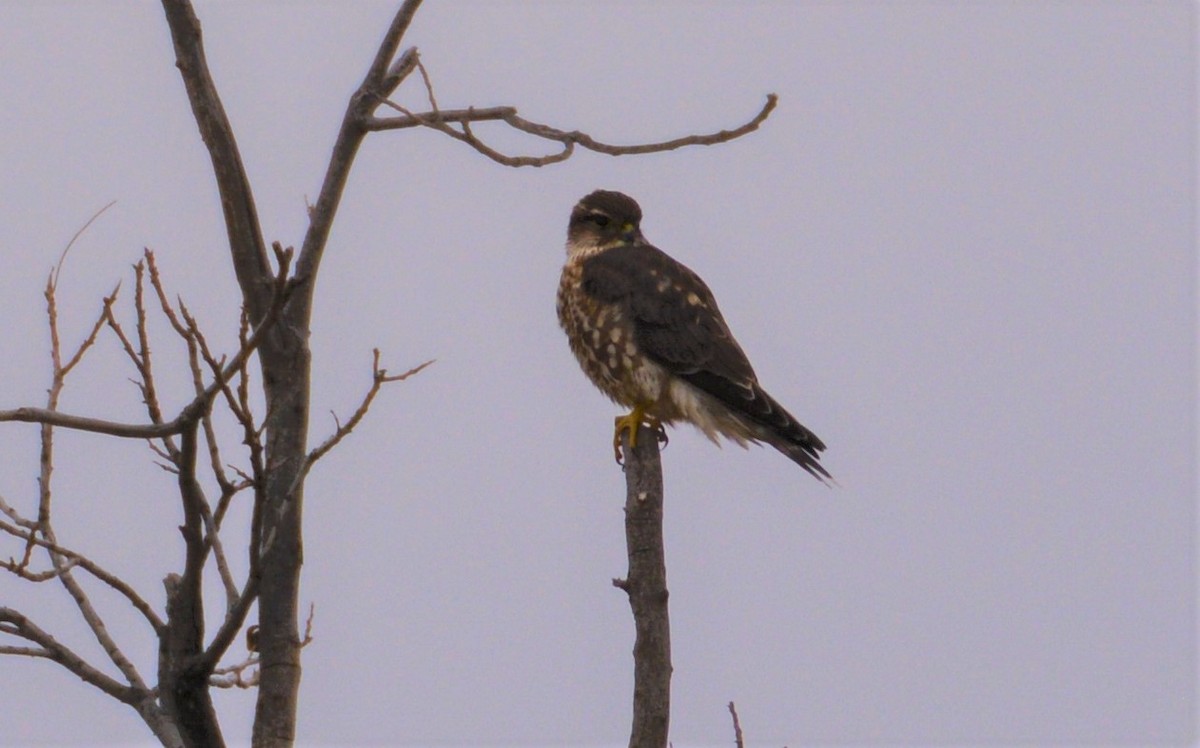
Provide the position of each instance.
(602, 220)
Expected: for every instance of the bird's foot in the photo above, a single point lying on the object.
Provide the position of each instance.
(632, 423)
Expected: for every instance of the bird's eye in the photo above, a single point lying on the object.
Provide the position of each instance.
(599, 219)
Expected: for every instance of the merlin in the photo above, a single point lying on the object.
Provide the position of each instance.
(648, 333)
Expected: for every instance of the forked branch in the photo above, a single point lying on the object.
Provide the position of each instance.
(379, 378)
(444, 121)
(15, 624)
(284, 286)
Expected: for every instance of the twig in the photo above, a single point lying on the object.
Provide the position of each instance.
(466, 135)
(34, 576)
(91, 336)
(737, 727)
(190, 412)
(232, 676)
(62, 258)
(379, 378)
(146, 366)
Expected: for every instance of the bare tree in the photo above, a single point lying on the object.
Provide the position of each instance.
(277, 287)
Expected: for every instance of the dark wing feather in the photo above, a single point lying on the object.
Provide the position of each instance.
(692, 340)
(653, 290)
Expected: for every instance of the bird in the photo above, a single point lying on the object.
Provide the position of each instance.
(647, 332)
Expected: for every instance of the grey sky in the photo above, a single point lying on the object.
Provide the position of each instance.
(962, 251)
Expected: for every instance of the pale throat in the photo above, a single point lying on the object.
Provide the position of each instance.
(578, 248)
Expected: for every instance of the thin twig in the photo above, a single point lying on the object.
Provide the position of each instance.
(149, 391)
(34, 576)
(62, 258)
(379, 378)
(190, 412)
(737, 727)
(91, 336)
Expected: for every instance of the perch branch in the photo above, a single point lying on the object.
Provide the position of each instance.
(646, 586)
(737, 727)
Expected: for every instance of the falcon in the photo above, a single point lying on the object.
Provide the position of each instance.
(647, 332)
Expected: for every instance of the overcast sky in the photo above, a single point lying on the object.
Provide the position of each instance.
(962, 251)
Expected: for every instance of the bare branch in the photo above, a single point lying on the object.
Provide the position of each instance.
(380, 377)
(191, 412)
(586, 141)
(161, 292)
(737, 727)
(465, 135)
(235, 617)
(93, 425)
(381, 79)
(646, 586)
(15, 624)
(237, 201)
(91, 567)
(94, 621)
(213, 538)
(91, 337)
(471, 114)
(24, 651)
(398, 70)
(144, 357)
(62, 258)
(33, 576)
(443, 122)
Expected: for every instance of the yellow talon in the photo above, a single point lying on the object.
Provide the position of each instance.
(632, 423)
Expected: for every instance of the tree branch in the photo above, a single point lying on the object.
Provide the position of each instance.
(282, 292)
(377, 84)
(442, 121)
(380, 377)
(14, 623)
(646, 586)
(83, 562)
(237, 201)
(737, 727)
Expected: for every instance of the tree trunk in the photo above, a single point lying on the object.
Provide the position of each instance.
(285, 359)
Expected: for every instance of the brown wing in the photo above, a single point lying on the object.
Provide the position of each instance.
(678, 325)
(675, 316)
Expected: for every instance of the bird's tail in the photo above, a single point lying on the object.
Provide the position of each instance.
(793, 439)
(806, 457)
